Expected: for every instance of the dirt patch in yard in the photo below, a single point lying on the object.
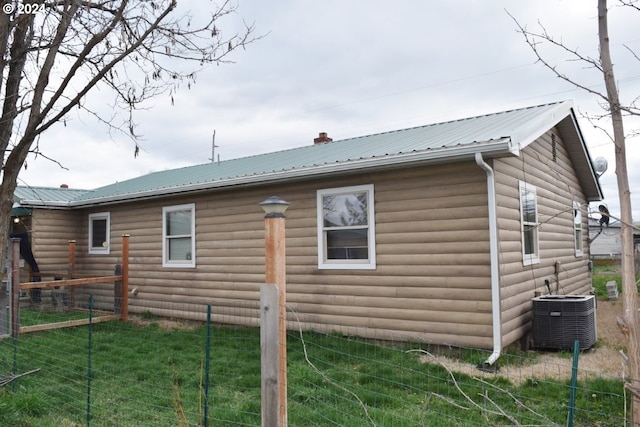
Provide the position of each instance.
(602, 360)
(168, 324)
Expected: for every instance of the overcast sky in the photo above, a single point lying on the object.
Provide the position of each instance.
(352, 68)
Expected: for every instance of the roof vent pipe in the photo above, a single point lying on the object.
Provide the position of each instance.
(495, 270)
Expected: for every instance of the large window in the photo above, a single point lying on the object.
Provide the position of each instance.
(529, 224)
(577, 228)
(99, 231)
(346, 229)
(178, 236)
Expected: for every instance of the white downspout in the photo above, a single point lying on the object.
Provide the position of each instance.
(493, 254)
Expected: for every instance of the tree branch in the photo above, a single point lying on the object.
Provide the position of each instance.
(74, 68)
(532, 38)
(20, 41)
(50, 62)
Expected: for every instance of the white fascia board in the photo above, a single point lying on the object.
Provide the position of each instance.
(25, 203)
(533, 128)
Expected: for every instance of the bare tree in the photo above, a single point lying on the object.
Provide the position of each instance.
(615, 110)
(53, 53)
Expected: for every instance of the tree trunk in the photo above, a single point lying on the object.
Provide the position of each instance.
(7, 186)
(629, 290)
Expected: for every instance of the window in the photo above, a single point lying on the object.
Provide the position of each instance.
(178, 236)
(529, 223)
(346, 229)
(99, 231)
(577, 228)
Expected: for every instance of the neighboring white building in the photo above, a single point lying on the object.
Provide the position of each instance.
(605, 241)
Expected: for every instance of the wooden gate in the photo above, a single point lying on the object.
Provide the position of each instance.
(10, 317)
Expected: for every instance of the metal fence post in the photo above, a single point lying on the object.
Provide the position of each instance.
(207, 355)
(89, 355)
(71, 272)
(117, 291)
(574, 381)
(125, 277)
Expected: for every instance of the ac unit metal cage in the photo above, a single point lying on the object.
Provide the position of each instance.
(560, 320)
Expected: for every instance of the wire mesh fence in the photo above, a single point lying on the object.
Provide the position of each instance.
(159, 370)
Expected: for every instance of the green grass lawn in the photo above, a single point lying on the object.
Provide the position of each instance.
(604, 274)
(144, 375)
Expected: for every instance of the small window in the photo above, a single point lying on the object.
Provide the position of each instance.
(529, 224)
(99, 231)
(577, 228)
(346, 229)
(178, 236)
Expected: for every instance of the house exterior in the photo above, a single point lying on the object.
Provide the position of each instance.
(441, 233)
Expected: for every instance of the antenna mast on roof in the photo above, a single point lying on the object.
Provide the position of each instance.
(213, 148)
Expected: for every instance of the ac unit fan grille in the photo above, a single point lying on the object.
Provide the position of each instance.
(560, 320)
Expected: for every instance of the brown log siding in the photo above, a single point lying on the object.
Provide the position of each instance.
(51, 231)
(557, 187)
(432, 275)
(432, 279)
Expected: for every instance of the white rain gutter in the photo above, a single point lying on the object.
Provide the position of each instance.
(493, 254)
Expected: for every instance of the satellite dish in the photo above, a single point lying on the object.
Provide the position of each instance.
(600, 165)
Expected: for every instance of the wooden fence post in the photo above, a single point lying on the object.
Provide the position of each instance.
(275, 274)
(15, 287)
(125, 277)
(72, 258)
(117, 290)
(270, 355)
(5, 307)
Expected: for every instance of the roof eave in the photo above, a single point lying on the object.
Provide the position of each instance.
(26, 203)
(558, 116)
(533, 128)
(585, 169)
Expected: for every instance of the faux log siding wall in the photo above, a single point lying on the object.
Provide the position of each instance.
(432, 277)
(51, 231)
(557, 187)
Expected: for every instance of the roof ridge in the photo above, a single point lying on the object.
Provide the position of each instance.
(458, 138)
(47, 187)
(303, 147)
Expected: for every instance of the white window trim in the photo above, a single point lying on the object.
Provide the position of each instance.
(104, 250)
(165, 247)
(368, 264)
(578, 226)
(534, 258)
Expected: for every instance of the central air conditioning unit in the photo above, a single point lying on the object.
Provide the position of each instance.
(560, 320)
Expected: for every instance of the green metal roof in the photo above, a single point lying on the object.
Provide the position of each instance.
(493, 134)
(46, 196)
(19, 211)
